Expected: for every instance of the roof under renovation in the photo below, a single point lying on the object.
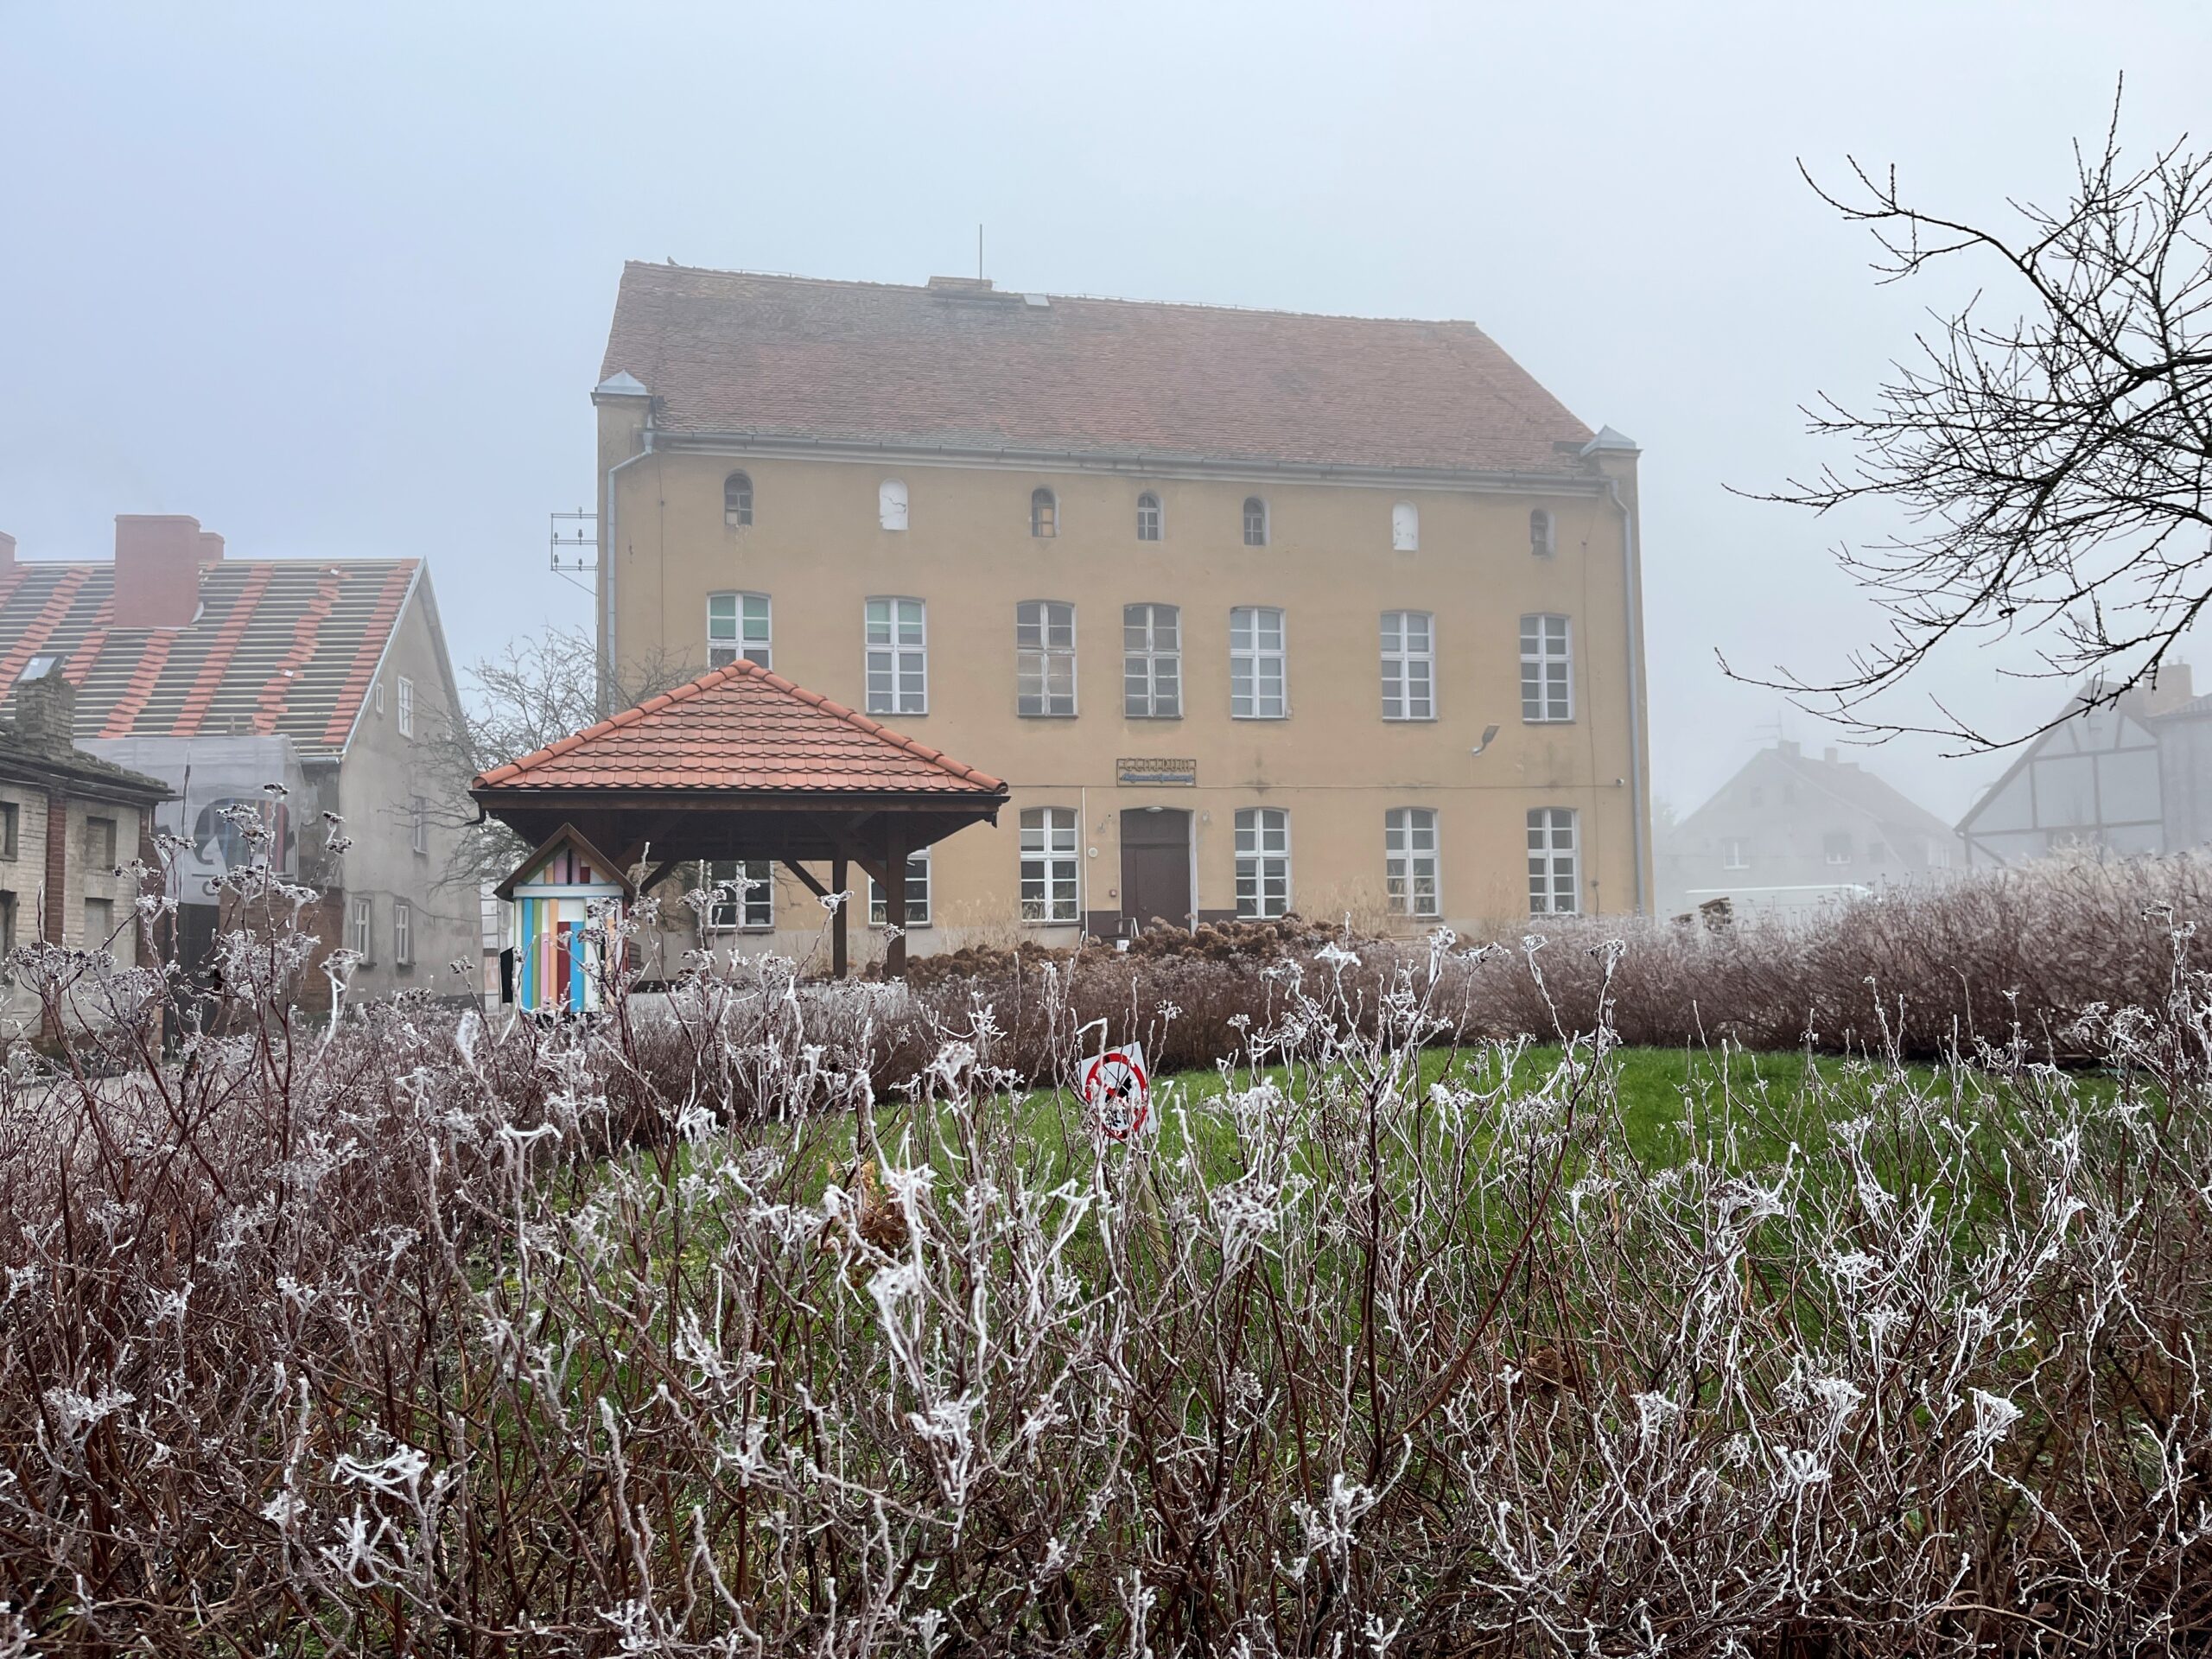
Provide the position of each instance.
(961, 365)
(285, 648)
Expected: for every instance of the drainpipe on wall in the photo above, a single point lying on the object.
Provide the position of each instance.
(610, 562)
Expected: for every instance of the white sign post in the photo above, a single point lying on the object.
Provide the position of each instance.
(1117, 1095)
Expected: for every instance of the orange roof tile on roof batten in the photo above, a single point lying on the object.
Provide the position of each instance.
(741, 729)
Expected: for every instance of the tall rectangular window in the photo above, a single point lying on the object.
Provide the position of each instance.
(1409, 860)
(918, 895)
(898, 657)
(7, 922)
(1836, 847)
(99, 923)
(1547, 670)
(402, 933)
(1256, 669)
(418, 823)
(99, 843)
(738, 624)
(1553, 889)
(1050, 861)
(9, 819)
(1152, 662)
(1409, 665)
(744, 894)
(361, 934)
(1044, 650)
(1735, 853)
(406, 707)
(1263, 861)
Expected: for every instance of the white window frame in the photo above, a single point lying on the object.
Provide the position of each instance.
(1258, 534)
(1409, 665)
(361, 935)
(918, 910)
(897, 668)
(1044, 513)
(1735, 853)
(751, 906)
(418, 823)
(891, 504)
(1051, 866)
(1263, 862)
(1555, 860)
(1044, 659)
(402, 933)
(1543, 532)
(737, 514)
(1405, 527)
(1252, 662)
(1547, 669)
(1146, 693)
(740, 624)
(1152, 518)
(1412, 881)
(406, 707)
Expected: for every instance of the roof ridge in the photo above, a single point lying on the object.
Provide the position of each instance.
(743, 668)
(1087, 299)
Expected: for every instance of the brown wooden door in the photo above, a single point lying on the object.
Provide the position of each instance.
(1156, 867)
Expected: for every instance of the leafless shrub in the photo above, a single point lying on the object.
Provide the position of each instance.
(678, 1333)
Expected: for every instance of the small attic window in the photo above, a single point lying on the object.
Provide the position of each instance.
(737, 501)
(39, 667)
(1044, 514)
(1542, 540)
(1255, 522)
(1147, 517)
(1405, 527)
(891, 504)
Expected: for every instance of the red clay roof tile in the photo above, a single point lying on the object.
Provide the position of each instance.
(741, 728)
(972, 368)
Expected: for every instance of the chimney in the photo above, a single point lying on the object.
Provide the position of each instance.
(2173, 689)
(158, 560)
(46, 714)
(7, 551)
(1828, 755)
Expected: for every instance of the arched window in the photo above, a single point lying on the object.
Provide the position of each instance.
(1255, 522)
(1405, 527)
(1540, 532)
(891, 504)
(1147, 517)
(737, 501)
(1044, 513)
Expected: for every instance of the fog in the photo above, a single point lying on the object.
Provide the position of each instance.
(336, 281)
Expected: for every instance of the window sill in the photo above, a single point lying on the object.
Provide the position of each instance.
(894, 714)
(1285, 715)
(1152, 719)
(1547, 720)
(1019, 715)
(1409, 719)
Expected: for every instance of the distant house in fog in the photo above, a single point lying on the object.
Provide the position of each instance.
(1788, 831)
(2133, 777)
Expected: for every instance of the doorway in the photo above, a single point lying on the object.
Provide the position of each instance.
(1155, 868)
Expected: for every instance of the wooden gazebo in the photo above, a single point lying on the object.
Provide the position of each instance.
(740, 763)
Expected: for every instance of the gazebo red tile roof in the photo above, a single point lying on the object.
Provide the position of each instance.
(742, 729)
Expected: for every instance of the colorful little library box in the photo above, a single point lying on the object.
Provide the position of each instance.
(567, 901)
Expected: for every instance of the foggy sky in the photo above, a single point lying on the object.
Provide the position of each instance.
(336, 281)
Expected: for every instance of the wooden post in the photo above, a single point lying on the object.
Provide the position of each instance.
(837, 957)
(894, 894)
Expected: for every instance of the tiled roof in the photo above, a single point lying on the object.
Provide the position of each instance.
(283, 647)
(962, 366)
(741, 728)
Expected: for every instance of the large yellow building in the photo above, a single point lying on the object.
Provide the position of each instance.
(1256, 611)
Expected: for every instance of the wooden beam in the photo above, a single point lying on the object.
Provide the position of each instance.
(806, 876)
(840, 957)
(894, 897)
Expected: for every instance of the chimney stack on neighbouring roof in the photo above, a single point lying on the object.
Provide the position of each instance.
(6, 550)
(1829, 755)
(158, 560)
(45, 713)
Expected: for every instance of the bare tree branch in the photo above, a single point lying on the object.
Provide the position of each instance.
(2056, 466)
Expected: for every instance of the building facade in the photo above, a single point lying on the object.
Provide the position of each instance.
(1254, 612)
(2130, 776)
(72, 829)
(327, 680)
(1788, 831)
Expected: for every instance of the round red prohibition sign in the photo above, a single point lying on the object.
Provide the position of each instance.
(1115, 1090)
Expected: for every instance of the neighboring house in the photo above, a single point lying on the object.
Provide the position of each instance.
(2134, 776)
(70, 825)
(1788, 831)
(1255, 611)
(221, 676)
